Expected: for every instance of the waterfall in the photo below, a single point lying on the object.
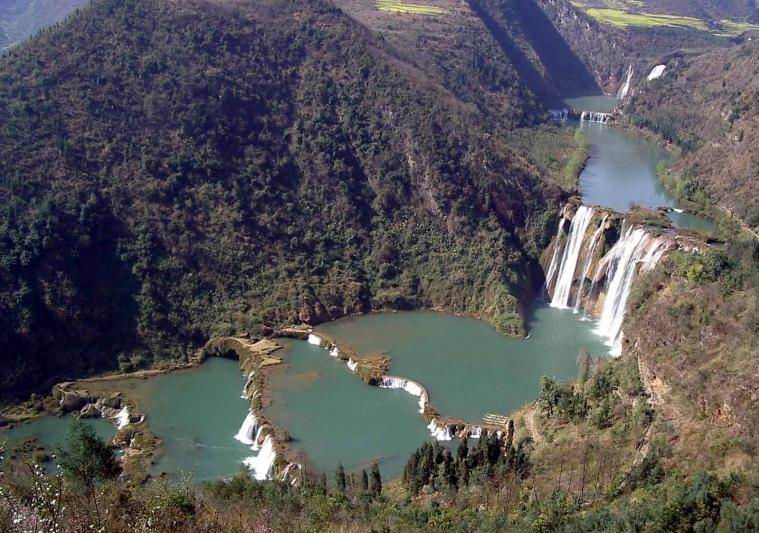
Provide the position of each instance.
(334, 352)
(246, 431)
(475, 432)
(122, 418)
(439, 432)
(571, 254)
(626, 86)
(595, 116)
(559, 115)
(555, 256)
(353, 365)
(314, 339)
(589, 261)
(413, 388)
(262, 463)
(636, 247)
(656, 72)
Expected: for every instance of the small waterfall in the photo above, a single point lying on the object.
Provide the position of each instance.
(334, 352)
(589, 261)
(636, 247)
(571, 254)
(261, 464)
(314, 339)
(413, 388)
(559, 115)
(439, 432)
(656, 72)
(353, 365)
(622, 94)
(247, 430)
(595, 116)
(122, 419)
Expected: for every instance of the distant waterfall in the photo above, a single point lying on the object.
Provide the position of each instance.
(571, 254)
(637, 247)
(589, 261)
(559, 115)
(622, 94)
(595, 116)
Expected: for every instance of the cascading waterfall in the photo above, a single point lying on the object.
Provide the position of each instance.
(566, 274)
(595, 116)
(314, 339)
(589, 261)
(555, 256)
(247, 430)
(559, 115)
(439, 432)
(413, 388)
(636, 248)
(622, 94)
(262, 463)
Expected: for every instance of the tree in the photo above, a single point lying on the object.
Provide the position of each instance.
(463, 450)
(364, 482)
(376, 481)
(340, 481)
(87, 459)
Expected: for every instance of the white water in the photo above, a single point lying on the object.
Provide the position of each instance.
(334, 352)
(475, 432)
(636, 247)
(122, 419)
(589, 261)
(571, 254)
(413, 388)
(555, 256)
(440, 433)
(247, 429)
(595, 116)
(656, 72)
(353, 365)
(314, 339)
(559, 115)
(261, 464)
(626, 86)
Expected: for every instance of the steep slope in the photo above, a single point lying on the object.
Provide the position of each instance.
(20, 19)
(708, 106)
(608, 51)
(171, 171)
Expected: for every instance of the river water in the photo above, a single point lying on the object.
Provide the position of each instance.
(467, 367)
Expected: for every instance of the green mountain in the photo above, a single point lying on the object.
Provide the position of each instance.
(176, 171)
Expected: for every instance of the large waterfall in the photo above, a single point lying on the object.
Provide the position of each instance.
(247, 429)
(589, 255)
(566, 274)
(637, 249)
(261, 464)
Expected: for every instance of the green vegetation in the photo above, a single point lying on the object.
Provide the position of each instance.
(242, 167)
(576, 163)
(395, 6)
(624, 19)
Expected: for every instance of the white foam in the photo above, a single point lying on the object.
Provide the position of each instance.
(656, 72)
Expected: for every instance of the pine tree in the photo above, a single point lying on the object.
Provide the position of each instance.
(463, 450)
(340, 481)
(376, 481)
(364, 482)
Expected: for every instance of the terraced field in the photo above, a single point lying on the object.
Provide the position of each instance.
(624, 19)
(395, 6)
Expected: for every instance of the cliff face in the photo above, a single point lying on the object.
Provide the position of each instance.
(237, 166)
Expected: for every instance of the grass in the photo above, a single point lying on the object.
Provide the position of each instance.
(395, 6)
(624, 19)
(732, 28)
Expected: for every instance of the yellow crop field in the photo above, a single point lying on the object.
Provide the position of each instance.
(396, 6)
(623, 19)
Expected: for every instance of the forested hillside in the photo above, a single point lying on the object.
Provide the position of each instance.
(20, 19)
(172, 171)
(708, 107)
